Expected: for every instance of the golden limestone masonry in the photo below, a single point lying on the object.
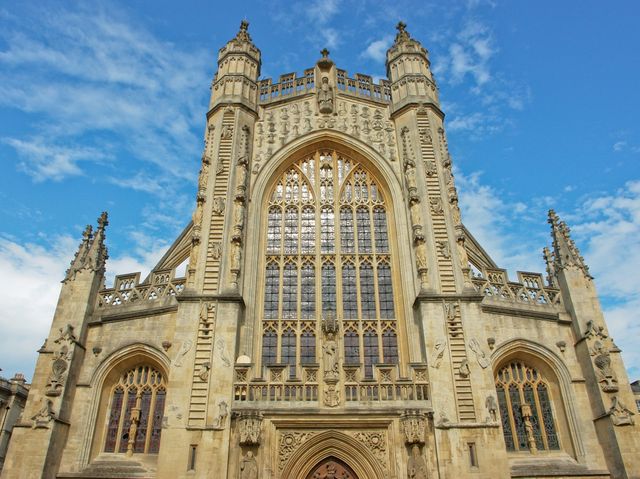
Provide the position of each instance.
(337, 320)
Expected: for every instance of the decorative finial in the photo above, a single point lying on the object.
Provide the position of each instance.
(103, 220)
(402, 34)
(565, 252)
(325, 53)
(243, 33)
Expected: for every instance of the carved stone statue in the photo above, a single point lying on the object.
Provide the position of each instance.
(492, 407)
(416, 466)
(325, 97)
(248, 466)
(606, 376)
(223, 412)
(330, 357)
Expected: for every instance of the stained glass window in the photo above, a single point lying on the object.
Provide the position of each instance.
(328, 256)
(523, 398)
(143, 389)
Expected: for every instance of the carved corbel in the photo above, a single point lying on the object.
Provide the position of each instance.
(250, 428)
(414, 427)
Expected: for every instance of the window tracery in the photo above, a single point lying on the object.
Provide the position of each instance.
(327, 255)
(526, 411)
(136, 410)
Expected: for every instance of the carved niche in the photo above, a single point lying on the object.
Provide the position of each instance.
(250, 428)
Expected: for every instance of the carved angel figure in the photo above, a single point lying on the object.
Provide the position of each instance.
(416, 466)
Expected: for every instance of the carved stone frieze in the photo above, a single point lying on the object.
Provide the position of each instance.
(376, 442)
(281, 125)
(289, 442)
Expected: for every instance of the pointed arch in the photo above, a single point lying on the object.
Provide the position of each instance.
(556, 370)
(333, 444)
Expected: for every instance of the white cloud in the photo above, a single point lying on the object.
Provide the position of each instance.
(321, 11)
(87, 74)
(377, 49)
(619, 145)
(52, 162)
(29, 297)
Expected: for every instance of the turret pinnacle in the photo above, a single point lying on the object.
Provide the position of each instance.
(92, 252)
(243, 33)
(565, 252)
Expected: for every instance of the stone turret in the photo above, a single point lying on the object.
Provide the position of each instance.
(408, 70)
(36, 445)
(238, 71)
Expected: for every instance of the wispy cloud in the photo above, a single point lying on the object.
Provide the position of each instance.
(377, 49)
(89, 74)
(54, 162)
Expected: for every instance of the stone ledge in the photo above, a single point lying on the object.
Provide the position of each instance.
(553, 467)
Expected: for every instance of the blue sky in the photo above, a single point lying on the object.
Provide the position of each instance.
(102, 106)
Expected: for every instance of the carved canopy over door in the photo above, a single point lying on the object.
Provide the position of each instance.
(332, 468)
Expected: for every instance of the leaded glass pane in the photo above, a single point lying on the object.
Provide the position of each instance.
(367, 291)
(271, 291)
(327, 236)
(385, 291)
(389, 347)
(351, 347)
(328, 290)
(307, 347)
(347, 241)
(291, 230)
(380, 230)
(547, 417)
(364, 230)
(114, 420)
(274, 227)
(371, 356)
(269, 347)
(307, 230)
(156, 429)
(504, 417)
(516, 411)
(288, 351)
(308, 292)
(290, 291)
(349, 292)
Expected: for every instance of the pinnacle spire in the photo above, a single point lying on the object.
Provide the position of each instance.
(566, 254)
(92, 252)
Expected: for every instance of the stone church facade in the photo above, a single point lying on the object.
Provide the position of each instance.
(337, 320)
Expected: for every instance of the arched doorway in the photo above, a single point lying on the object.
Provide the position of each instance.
(332, 468)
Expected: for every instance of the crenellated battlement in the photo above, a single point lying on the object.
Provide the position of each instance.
(530, 288)
(128, 290)
(291, 85)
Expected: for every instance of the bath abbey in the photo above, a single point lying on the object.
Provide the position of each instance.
(335, 318)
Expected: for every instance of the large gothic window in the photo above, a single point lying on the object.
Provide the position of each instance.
(327, 256)
(525, 408)
(136, 410)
